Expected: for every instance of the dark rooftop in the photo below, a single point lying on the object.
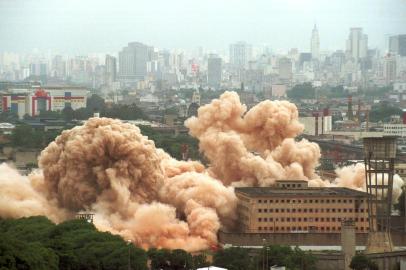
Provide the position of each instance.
(311, 191)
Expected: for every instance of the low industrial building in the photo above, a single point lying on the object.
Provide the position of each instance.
(31, 101)
(293, 207)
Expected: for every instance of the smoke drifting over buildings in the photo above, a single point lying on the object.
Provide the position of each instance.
(141, 193)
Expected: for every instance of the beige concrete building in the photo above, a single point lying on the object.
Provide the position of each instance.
(292, 207)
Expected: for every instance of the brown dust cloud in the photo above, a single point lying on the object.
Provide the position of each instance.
(138, 191)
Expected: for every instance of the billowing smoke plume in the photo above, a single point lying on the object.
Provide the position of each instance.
(141, 193)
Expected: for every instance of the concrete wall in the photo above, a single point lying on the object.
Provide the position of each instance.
(299, 239)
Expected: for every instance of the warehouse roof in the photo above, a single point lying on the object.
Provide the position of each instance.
(311, 191)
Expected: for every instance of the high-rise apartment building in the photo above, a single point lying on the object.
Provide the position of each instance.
(58, 67)
(397, 45)
(240, 54)
(389, 68)
(315, 43)
(111, 69)
(133, 62)
(285, 68)
(357, 43)
(214, 71)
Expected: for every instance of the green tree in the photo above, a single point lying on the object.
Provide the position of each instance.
(37, 243)
(362, 262)
(302, 91)
(234, 258)
(68, 114)
(95, 103)
(383, 112)
(17, 254)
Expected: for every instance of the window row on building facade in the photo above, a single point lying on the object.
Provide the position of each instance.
(309, 228)
(315, 219)
(309, 201)
(311, 210)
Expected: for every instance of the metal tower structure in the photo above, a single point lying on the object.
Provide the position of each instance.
(380, 156)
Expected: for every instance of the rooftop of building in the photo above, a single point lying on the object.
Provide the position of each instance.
(310, 191)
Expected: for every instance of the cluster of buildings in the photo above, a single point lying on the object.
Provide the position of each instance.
(139, 66)
(31, 98)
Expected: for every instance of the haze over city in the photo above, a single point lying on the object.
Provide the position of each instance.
(105, 26)
(198, 135)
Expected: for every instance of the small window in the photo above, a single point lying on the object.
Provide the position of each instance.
(266, 210)
(266, 219)
(310, 201)
(259, 210)
(259, 228)
(259, 219)
(259, 201)
(265, 201)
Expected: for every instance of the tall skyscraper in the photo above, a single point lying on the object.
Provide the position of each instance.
(285, 68)
(133, 62)
(397, 45)
(214, 71)
(357, 43)
(58, 67)
(240, 54)
(315, 43)
(111, 70)
(389, 68)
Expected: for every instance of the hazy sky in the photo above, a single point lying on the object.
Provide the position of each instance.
(82, 26)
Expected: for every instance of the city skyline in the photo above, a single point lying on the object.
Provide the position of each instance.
(106, 26)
